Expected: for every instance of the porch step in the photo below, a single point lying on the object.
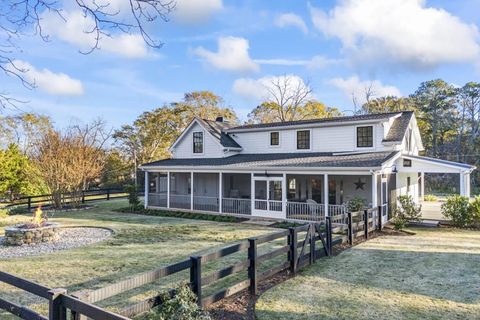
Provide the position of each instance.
(425, 224)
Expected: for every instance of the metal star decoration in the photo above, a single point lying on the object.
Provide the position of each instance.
(359, 184)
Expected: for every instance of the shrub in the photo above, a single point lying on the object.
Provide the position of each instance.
(133, 199)
(430, 197)
(456, 208)
(18, 210)
(399, 222)
(407, 209)
(356, 204)
(474, 211)
(3, 213)
(182, 306)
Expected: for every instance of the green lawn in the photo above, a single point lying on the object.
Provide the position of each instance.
(434, 274)
(141, 243)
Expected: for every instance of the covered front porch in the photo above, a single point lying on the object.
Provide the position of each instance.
(270, 194)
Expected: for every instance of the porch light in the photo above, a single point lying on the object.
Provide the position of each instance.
(394, 169)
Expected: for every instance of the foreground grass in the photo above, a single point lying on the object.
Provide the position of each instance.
(433, 274)
(140, 243)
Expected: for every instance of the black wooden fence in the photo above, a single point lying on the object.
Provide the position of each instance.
(84, 196)
(303, 246)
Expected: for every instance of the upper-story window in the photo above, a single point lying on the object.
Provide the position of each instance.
(198, 142)
(275, 138)
(365, 137)
(303, 139)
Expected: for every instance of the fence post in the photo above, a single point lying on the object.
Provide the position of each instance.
(55, 309)
(108, 194)
(252, 270)
(83, 196)
(312, 243)
(380, 218)
(196, 277)
(365, 223)
(328, 221)
(293, 249)
(350, 229)
(29, 203)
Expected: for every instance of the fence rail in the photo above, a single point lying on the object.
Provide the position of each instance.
(300, 246)
(82, 196)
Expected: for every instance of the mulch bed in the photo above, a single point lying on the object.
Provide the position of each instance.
(242, 305)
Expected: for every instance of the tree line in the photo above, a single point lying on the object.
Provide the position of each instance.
(38, 158)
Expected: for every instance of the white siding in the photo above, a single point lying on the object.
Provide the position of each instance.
(323, 139)
(184, 147)
(402, 185)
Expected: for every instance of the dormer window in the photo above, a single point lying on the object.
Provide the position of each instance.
(274, 139)
(303, 139)
(198, 142)
(365, 137)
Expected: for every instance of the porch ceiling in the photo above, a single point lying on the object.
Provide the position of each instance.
(310, 160)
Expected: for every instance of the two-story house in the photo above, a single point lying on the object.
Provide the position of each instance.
(295, 170)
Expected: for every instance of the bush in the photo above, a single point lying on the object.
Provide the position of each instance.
(457, 209)
(3, 213)
(182, 306)
(399, 222)
(430, 197)
(474, 211)
(408, 209)
(356, 204)
(18, 210)
(133, 199)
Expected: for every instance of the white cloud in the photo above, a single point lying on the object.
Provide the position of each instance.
(354, 87)
(50, 82)
(77, 28)
(262, 88)
(317, 62)
(232, 55)
(291, 20)
(195, 11)
(404, 32)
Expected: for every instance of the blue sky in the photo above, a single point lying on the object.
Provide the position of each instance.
(235, 48)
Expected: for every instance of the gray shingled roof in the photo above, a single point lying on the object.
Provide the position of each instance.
(216, 129)
(374, 116)
(308, 160)
(399, 127)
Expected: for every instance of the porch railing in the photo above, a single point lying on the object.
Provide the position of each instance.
(204, 203)
(180, 201)
(305, 211)
(261, 204)
(337, 210)
(157, 199)
(274, 205)
(237, 206)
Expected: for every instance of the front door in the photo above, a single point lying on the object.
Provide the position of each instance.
(268, 201)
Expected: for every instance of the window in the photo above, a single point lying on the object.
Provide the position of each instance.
(303, 139)
(365, 137)
(407, 162)
(198, 142)
(274, 138)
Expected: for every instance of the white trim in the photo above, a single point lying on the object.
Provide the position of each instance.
(439, 162)
(273, 170)
(146, 191)
(374, 138)
(220, 191)
(184, 132)
(325, 194)
(191, 190)
(374, 190)
(168, 189)
(310, 142)
(270, 139)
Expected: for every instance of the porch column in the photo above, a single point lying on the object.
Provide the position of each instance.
(284, 195)
(252, 194)
(462, 184)
(220, 191)
(191, 190)
(146, 190)
(168, 189)
(374, 190)
(325, 194)
(467, 184)
(422, 186)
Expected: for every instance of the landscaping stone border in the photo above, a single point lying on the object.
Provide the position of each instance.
(18, 236)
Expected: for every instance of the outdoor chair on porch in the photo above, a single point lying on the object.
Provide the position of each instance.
(315, 210)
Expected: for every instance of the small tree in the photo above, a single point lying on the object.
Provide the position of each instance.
(456, 208)
(133, 199)
(406, 211)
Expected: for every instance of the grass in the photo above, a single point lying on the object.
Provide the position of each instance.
(433, 274)
(140, 243)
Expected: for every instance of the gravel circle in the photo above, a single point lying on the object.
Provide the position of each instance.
(69, 238)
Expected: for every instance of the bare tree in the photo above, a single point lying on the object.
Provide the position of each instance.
(68, 162)
(19, 17)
